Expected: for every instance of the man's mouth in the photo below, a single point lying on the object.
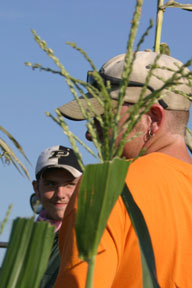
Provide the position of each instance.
(61, 204)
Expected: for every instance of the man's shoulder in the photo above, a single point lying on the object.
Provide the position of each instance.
(155, 161)
(147, 162)
(156, 168)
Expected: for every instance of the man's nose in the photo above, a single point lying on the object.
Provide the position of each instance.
(63, 192)
(99, 131)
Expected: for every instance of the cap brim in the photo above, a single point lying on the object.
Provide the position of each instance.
(76, 173)
(72, 110)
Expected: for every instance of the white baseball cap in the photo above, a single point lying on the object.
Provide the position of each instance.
(58, 157)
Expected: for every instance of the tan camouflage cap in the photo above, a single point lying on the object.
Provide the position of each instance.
(112, 71)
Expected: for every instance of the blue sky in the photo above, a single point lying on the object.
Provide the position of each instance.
(99, 27)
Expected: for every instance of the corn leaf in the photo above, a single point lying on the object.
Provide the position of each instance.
(27, 254)
(98, 193)
(16, 250)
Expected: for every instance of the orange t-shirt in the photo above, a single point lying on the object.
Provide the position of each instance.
(162, 188)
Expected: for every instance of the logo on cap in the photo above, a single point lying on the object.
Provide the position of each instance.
(59, 154)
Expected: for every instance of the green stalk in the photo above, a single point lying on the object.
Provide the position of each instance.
(91, 266)
(159, 24)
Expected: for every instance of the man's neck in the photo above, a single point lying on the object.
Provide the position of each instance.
(173, 145)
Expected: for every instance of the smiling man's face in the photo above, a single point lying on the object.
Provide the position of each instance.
(54, 190)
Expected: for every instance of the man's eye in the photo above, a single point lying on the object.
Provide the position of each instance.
(51, 183)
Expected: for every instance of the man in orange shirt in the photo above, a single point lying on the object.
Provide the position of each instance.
(160, 182)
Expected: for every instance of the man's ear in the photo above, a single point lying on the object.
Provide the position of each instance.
(157, 115)
(35, 185)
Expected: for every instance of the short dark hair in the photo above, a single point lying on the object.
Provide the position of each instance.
(177, 121)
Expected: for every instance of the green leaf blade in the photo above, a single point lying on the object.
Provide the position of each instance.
(14, 258)
(27, 254)
(37, 257)
(98, 193)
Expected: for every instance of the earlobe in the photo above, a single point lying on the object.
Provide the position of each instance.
(148, 135)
